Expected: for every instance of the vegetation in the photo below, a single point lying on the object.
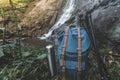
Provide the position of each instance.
(31, 65)
(12, 11)
(6, 3)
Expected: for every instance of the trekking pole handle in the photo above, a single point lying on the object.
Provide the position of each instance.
(77, 20)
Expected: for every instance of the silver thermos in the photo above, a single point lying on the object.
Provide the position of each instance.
(51, 59)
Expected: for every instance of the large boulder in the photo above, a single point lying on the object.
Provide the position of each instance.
(40, 16)
(106, 21)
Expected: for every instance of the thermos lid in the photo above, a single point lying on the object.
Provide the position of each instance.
(49, 46)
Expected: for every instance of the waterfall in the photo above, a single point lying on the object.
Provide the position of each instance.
(70, 7)
(66, 15)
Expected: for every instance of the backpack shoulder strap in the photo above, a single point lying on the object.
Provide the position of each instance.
(79, 54)
(63, 52)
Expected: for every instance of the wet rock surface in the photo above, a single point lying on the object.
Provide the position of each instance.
(107, 20)
(105, 16)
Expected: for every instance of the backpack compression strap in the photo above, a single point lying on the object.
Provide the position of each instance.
(79, 54)
(63, 52)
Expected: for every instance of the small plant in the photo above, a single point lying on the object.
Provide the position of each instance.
(32, 65)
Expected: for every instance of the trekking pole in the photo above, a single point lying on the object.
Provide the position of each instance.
(91, 36)
(63, 53)
(99, 59)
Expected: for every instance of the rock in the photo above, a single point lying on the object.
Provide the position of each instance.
(40, 16)
(107, 20)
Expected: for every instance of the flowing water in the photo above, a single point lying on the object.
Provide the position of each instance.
(66, 14)
(69, 9)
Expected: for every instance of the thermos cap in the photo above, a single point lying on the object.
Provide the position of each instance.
(49, 46)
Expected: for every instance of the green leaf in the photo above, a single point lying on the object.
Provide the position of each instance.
(26, 54)
(40, 57)
(1, 30)
(8, 45)
(1, 53)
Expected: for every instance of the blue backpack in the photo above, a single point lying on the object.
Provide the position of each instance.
(71, 52)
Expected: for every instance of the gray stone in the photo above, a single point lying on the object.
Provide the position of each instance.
(107, 20)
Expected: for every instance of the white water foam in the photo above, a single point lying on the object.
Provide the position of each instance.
(67, 13)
